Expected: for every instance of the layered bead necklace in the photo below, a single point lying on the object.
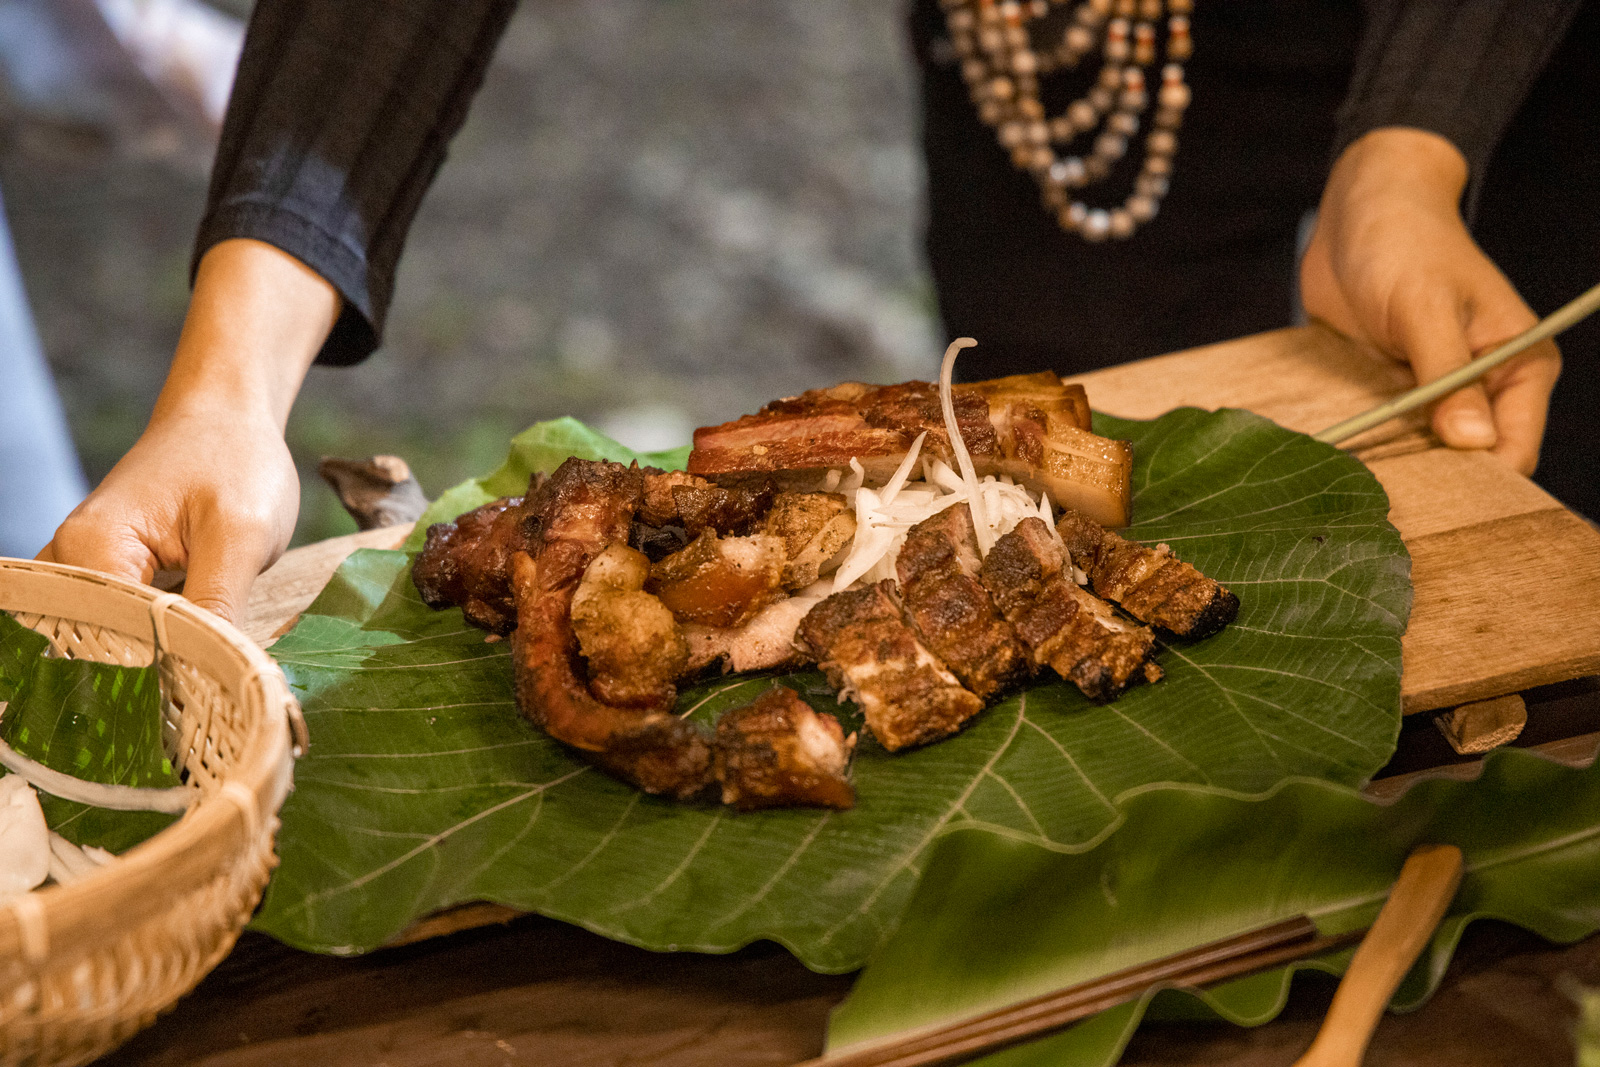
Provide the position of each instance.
(995, 45)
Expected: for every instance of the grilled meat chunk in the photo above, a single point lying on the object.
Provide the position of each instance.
(778, 752)
(659, 507)
(467, 563)
(1064, 626)
(633, 646)
(870, 654)
(765, 642)
(720, 581)
(813, 526)
(950, 609)
(584, 508)
(1151, 584)
(1022, 426)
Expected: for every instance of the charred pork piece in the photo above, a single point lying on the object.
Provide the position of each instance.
(583, 509)
(1151, 584)
(720, 581)
(778, 752)
(467, 563)
(871, 655)
(659, 507)
(813, 526)
(1063, 626)
(950, 609)
(633, 646)
(735, 510)
(765, 642)
(1022, 426)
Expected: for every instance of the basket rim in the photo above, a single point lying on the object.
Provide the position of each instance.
(63, 922)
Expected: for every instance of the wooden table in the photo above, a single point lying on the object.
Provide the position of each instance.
(1507, 598)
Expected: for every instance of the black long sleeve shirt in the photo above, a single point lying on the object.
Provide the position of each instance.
(343, 109)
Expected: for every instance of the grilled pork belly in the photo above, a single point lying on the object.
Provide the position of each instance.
(1019, 426)
(468, 562)
(814, 527)
(950, 609)
(634, 648)
(720, 581)
(583, 509)
(1064, 626)
(1151, 584)
(869, 653)
(778, 752)
(765, 642)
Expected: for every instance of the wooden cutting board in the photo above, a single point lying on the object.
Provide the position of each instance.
(1507, 581)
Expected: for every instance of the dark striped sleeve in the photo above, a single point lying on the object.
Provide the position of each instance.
(1459, 68)
(340, 116)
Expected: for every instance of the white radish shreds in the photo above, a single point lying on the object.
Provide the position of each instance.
(24, 838)
(958, 444)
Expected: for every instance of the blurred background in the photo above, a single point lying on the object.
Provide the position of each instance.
(660, 214)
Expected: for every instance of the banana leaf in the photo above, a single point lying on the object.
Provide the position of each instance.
(97, 721)
(994, 921)
(424, 788)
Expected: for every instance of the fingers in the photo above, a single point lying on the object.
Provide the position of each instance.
(1521, 396)
(99, 545)
(225, 556)
(1433, 338)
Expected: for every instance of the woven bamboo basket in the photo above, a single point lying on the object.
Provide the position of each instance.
(84, 966)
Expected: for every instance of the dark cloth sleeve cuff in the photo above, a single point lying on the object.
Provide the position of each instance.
(1458, 68)
(359, 329)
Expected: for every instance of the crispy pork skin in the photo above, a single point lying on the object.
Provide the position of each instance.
(720, 581)
(950, 609)
(583, 509)
(1151, 584)
(634, 648)
(1064, 626)
(813, 526)
(467, 563)
(870, 654)
(779, 752)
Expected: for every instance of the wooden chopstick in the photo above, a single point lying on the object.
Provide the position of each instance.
(1232, 957)
(1569, 315)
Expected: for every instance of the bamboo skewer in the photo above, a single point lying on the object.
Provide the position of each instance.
(1569, 315)
(1248, 953)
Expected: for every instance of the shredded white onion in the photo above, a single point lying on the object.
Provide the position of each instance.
(969, 475)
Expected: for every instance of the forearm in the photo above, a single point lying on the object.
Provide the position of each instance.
(256, 321)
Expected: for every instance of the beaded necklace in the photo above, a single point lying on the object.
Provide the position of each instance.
(1002, 67)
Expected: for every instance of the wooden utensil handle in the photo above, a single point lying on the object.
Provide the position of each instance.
(1415, 906)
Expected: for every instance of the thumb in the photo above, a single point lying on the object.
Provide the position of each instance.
(1434, 341)
(224, 559)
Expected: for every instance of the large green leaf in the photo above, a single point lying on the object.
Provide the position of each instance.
(96, 721)
(997, 921)
(423, 787)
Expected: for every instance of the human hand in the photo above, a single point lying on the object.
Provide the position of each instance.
(210, 487)
(1391, 263)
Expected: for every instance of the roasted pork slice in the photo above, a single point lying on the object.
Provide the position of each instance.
(869, 654)
(467, 563)
(583, 509)
(814, 527)
(950, 609)
(720, 581)
(1017, 426)
(1151, 584)
(1063, 625)
(658, 506)
(634, 648)
(765, 642)
(779, 752)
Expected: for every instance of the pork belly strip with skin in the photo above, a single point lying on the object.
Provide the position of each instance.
(1064, 626)
(951, 610)
(869, 653)
(778, 752)
(583, 509)
(1151, 584)
(1021, 426)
